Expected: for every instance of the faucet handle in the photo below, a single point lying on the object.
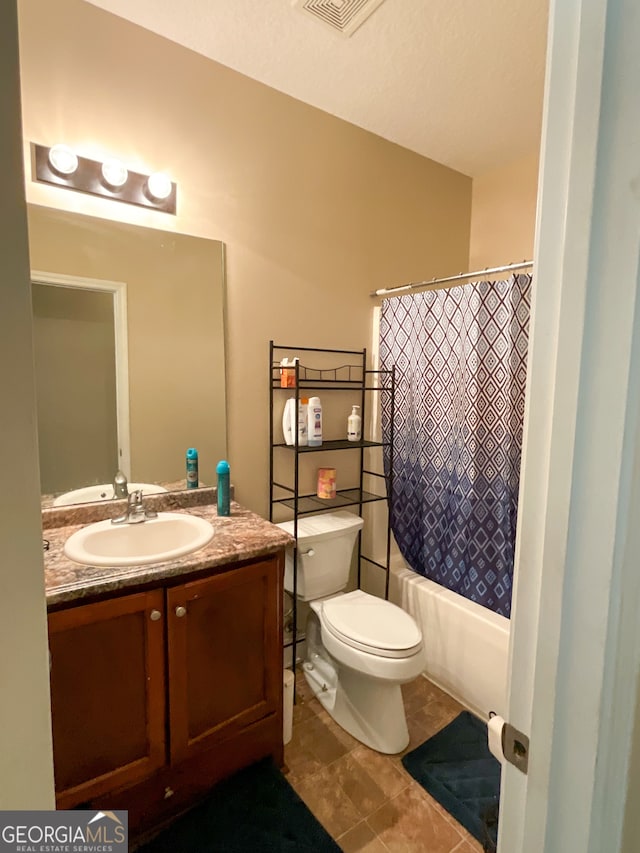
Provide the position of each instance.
(135, 498)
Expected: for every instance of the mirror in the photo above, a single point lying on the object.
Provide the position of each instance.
(168, 392)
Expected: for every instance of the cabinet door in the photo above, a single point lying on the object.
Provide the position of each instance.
(225, 667)
(107, 694)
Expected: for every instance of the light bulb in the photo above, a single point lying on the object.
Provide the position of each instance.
(159, 185)
(63, 160)
(114, 173)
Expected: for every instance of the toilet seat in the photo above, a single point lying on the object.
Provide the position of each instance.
(371, 625)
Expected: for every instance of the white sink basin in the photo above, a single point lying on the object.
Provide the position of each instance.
(155, 540)
(103, 492)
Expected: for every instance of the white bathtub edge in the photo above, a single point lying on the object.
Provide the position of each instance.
(467, 645)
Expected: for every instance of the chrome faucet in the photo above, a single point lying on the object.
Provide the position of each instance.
(120, 488)
(136, 512)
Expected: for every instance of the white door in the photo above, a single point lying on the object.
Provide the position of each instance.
(575, 647)
(83, 403)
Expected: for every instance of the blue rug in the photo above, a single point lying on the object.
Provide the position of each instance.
(254, 811)
(457, 769)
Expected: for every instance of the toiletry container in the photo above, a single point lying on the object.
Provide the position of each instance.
(314, 412)
(288, 373)
(224, 500)
(192, 468)
(326, 483)
(303, 416)
(354, 425)
(288, 420)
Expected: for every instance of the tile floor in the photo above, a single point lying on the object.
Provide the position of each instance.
(367, 801)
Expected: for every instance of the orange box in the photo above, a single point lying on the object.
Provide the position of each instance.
(287, 377)
(288, 373)
(326, 482)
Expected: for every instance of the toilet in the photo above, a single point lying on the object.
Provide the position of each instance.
(359, 648)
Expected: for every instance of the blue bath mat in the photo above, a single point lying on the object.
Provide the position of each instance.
(255, 810)
(457, 769)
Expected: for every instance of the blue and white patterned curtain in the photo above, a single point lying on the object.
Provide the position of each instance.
(461, 362)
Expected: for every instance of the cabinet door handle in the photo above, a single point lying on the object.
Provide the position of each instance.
(309, 553)
(155, 615)
(181, 611)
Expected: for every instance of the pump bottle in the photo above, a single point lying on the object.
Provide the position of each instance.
(354, 425)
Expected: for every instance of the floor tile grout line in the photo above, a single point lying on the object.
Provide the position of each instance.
(434, 700)
(440, 809)
(363, 817)
(376, 836)
(346, 796)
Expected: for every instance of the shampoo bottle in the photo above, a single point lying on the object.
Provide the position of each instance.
(354, 425)
(224, 501)
(314, 412)
(303, 417)
(192, 468)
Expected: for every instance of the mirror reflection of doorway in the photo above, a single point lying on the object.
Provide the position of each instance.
(77, 369)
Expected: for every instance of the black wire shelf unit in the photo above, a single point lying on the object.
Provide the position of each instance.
(353, 376)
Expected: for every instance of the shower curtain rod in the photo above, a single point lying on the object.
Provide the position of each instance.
(385, 291)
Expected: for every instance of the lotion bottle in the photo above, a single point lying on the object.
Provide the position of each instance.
(354, 425)
(314, 430)
(288, 420)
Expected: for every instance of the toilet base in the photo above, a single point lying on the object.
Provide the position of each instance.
(371, 711)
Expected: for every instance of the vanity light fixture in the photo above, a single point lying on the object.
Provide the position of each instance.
(159, 186)
(114, 173)
(63, 168)
(63, 160)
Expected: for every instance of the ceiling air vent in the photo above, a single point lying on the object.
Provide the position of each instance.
(343, 16)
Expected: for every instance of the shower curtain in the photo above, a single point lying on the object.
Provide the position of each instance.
(461, 358)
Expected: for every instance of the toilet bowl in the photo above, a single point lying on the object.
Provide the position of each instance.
(360, 648)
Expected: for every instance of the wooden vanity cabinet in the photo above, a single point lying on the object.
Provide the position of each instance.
(107, 694)
(222, 642)
(157, 695)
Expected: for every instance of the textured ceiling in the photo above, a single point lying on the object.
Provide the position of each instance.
(459, 81)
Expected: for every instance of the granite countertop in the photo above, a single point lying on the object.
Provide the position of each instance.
(241, 536)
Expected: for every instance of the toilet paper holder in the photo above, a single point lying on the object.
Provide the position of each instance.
(515, 746)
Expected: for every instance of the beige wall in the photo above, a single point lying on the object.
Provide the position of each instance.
(26, 766)
(503, 214)
(315, 213)
(175, 308)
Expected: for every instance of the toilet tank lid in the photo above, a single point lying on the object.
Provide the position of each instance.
(324, 526)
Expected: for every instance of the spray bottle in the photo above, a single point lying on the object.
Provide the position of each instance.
(354, 425)
(192, 468)
(224, 500)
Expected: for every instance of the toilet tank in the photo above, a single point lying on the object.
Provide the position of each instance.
(325, 548)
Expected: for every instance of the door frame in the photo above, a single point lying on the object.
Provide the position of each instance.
(118, 290)
(575, 641)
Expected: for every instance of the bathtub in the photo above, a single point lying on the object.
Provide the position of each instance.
(467, 645)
